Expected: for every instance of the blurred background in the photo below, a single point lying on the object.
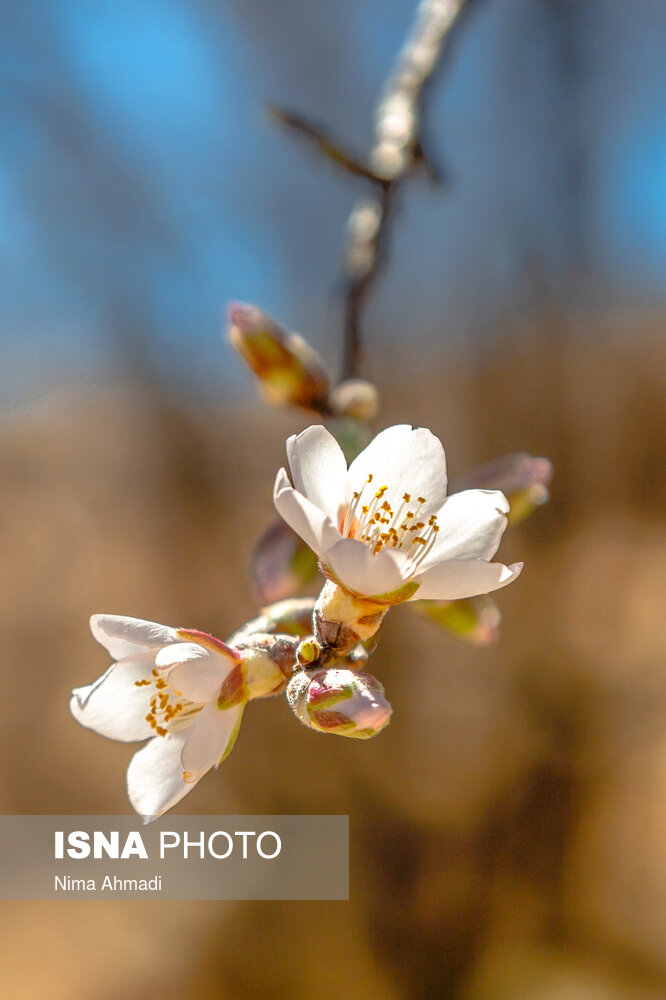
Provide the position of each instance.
(508, 831)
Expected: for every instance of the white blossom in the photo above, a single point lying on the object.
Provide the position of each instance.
(384, 527)
(182, 690)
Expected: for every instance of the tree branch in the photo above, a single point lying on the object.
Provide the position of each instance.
(398, 148)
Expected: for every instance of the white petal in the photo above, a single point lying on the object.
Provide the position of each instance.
(406, 460)
(450, 581)
(155, 776)
(471, 525)
(123, 636)
(208, 739)
(318, 468)
(113, 705)
(314, 527)
(354, 565)
(193, 671)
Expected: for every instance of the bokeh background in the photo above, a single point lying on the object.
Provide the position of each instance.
(508, 831)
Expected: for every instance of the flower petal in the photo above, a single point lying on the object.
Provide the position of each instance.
(407, 460)
(318, 468)
(471, 525)
(354, 565)
(208, 739)
(308, 521)
(458, 578)
(155, 776)
(113, 705)
(194, 672)
(123, 636)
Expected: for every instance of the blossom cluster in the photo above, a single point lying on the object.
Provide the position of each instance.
(383, 531)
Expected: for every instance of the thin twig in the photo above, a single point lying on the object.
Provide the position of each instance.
(322, 140)
(397, 149)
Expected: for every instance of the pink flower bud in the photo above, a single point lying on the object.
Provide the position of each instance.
(290, 372)
(282, 563)
(522, 478)
(345, 702)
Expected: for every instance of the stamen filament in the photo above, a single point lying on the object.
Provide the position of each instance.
(374, 522)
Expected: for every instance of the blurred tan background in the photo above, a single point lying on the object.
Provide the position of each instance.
(508, 830)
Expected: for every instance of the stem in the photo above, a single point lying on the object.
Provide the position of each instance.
(340, 620)
(397, 149)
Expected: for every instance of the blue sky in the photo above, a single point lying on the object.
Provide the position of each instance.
(142, 185)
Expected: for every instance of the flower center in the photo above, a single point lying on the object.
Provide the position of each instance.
(371, 519)
(169, 711)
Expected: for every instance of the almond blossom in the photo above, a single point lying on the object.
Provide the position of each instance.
(182, 690)
(384, 528)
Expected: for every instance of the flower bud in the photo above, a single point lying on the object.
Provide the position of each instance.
(308, 651)
(355, 398)
(290, 372)
(474, 619)
(522, 478)
(292, 617)
(344, 702)
(282, 563)
(267, 663)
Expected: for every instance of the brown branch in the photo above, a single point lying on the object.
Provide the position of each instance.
(322, 140)
(398, 148)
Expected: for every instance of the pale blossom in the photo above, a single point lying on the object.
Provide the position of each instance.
(384, 528)
(182, 690)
